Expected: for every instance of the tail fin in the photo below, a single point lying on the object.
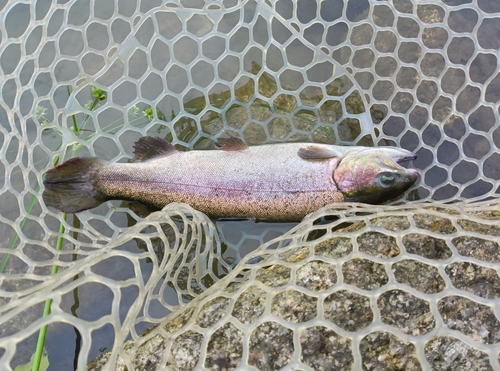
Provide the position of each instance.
(70, 188)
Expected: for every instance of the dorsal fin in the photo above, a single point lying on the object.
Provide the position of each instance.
(316, 153)
(147, 148)
(231, 144)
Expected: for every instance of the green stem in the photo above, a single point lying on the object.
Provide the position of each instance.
(46, 311)
(75, 125)
(87, 117)
(76, 305)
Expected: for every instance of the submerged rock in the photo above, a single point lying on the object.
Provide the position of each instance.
(419, 282)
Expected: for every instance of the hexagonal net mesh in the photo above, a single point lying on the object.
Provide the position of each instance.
(88, 78)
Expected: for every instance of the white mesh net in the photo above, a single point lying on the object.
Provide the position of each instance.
(88, 78)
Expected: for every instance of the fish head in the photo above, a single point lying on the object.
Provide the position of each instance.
(374, 175)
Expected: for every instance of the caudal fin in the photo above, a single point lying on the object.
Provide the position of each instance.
(70, 188)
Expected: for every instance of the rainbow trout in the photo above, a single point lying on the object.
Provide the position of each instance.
(275, 182)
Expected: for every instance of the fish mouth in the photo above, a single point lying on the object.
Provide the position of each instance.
(406, 159)
(412, 176)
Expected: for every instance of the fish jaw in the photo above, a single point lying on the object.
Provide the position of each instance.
(373, 175)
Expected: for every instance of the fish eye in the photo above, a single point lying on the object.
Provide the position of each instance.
(387, 179)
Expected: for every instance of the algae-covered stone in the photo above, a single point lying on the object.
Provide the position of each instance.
(382, 350)
(225, 348)
(364, 273)
(260, 110)
(185, 351)
(391, 223)
(212, 311)
(434, 223)
(150, 353)
(422, 277)
(478, 321)
(323, 349)
(296, 255)
(271, 346)
(406, 312)
(304, 120)
(250, 305)
(348, 310)
(274, 276)
(378, 244)
(294, 306)
(285, 306)
(492, 229)
(448, 353)
(316, 275)
(254, 134)
(427, 246)
(334, 248)
(237, 116)
(481, 281)
(479, 248)
(279, 127)
(349, 129)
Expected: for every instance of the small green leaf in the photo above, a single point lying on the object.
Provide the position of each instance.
(98, 93)
(133, 111)
(148, 112)
(44, 365)
(40, 112)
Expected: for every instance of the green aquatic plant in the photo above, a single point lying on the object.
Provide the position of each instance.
(39, 361)
(38, 356)
(98, 95)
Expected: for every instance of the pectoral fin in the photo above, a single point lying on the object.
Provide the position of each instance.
(317, 153)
